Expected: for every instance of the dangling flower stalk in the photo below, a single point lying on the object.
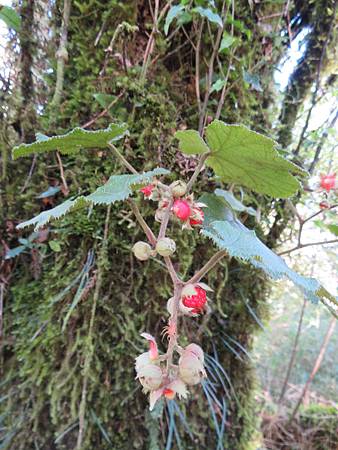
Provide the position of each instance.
(158, 374)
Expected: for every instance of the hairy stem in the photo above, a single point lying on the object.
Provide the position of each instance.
(165, 220)
(198, 169)
(150, 235)
(213, 261)
(122, 159)
(174, 323)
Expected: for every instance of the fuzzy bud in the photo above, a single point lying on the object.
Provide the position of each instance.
(165, 246)
(178, 188)
(150, 376)
(191, 368)
(142, 250)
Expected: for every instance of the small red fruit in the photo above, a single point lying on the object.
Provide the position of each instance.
(328, 181)
(196, 301)
(181, 209)
(198, 217)
(147, 190)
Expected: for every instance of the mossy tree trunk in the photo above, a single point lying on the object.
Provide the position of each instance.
(59, 381)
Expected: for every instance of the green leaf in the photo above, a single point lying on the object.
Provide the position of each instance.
(241, 156)
(191, 142)
(252, 80)
(118, 187)
(210, 15)
(226, 42)
(13, 252)
(173, 13)
(73, 141)
(53, 214)
(50, 192)
(104, 100)
(235, 204)
(231, 235)
(55, 246)
(333, 228)
(10, 17)
(218, 85)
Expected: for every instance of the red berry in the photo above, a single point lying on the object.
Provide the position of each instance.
(147, 190)
(328, 181)
(323, 205)
(198, 217)
(181, 209)
(197, 301)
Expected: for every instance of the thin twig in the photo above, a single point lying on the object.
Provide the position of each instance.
(197, 171)
(173, 323)
(315, 368)
(315, 92)
(197, 66)
(122, 159)
(293, 354)
(104, 112)
(30, 174)
(147, 230)
(309, 244)
(213, 261)
(151, 41)
(210, 74)
(62, 174)
(302, 222)
(165, 219)
(321, 143)
(226, 78)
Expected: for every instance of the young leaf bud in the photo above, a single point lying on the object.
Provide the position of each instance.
(165, 246)
(178, 188)
(142, 251)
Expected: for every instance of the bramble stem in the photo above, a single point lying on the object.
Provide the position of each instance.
(150, 235)
(122, 159)
(208, 266)
(165, 220)
(173, 322)
(198, 169)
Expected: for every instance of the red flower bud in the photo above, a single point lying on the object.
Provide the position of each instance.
(147, 190)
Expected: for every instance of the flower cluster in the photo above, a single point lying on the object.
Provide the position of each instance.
(169, 374)
(184, 208)
(162, 380)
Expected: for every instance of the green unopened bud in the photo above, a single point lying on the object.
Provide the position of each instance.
(178, 188)
(165, 246)
(142, 251)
